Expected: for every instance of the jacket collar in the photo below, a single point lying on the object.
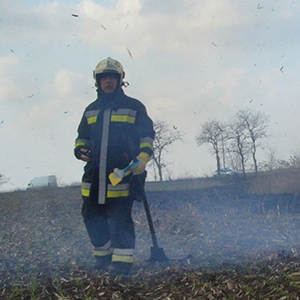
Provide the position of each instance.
(108, 100)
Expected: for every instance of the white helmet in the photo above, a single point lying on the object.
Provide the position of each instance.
(109, 65)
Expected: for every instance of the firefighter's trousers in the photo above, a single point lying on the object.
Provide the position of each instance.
(110, 228)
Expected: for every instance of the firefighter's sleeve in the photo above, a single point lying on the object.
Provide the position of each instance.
(146, 135)
(83, 137)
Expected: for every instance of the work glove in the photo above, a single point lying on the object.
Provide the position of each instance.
(143, 159)
(82, 150)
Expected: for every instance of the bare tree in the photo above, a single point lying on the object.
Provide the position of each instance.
(214, 133)
(164, 137)
(295, 158)
(272, 160)
(234, 143)
(233, 160)
(292, 162)
(256, 124)
(3, 179)
(275, 163)
(240, 144)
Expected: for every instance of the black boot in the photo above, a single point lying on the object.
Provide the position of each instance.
(119, 268)
(102, 263)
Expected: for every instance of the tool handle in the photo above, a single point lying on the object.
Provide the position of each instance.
(150, 222)
(130, 166)
(145, 201)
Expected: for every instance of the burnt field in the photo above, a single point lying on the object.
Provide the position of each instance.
(238, 247)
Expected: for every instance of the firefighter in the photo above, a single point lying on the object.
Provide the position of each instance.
(103, 143)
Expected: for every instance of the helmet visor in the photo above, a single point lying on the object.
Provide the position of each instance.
(108, 74)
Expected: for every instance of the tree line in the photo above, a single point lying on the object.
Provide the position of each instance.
(234, 144)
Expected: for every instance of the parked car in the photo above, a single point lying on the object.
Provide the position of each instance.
(225, 171)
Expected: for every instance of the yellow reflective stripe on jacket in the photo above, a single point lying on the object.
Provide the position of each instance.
(125, 119)
(81, 142)
(117, 194)
(91, 116)
(85, 193)
(123, 115)
(92, 120)
(120, 190)
(146, 143)
(85, 189)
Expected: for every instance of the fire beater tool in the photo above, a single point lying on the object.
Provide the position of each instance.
(117, 175)
(157, 254)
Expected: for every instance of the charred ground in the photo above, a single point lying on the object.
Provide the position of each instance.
(241, 247)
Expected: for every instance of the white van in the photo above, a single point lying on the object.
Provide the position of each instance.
(43, 181)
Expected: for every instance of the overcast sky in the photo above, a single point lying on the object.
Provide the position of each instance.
(188, 61)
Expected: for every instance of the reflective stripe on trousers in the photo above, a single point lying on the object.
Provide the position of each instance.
(104, 250)
(123, 255)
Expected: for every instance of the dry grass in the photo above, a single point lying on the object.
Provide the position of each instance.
(240, 248)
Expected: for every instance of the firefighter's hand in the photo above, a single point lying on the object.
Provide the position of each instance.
(143, 158)
(85, 154)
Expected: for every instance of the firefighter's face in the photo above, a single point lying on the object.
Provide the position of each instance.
(108, 83)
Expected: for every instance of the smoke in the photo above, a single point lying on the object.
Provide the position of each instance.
(42, 232)
(225, 225)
